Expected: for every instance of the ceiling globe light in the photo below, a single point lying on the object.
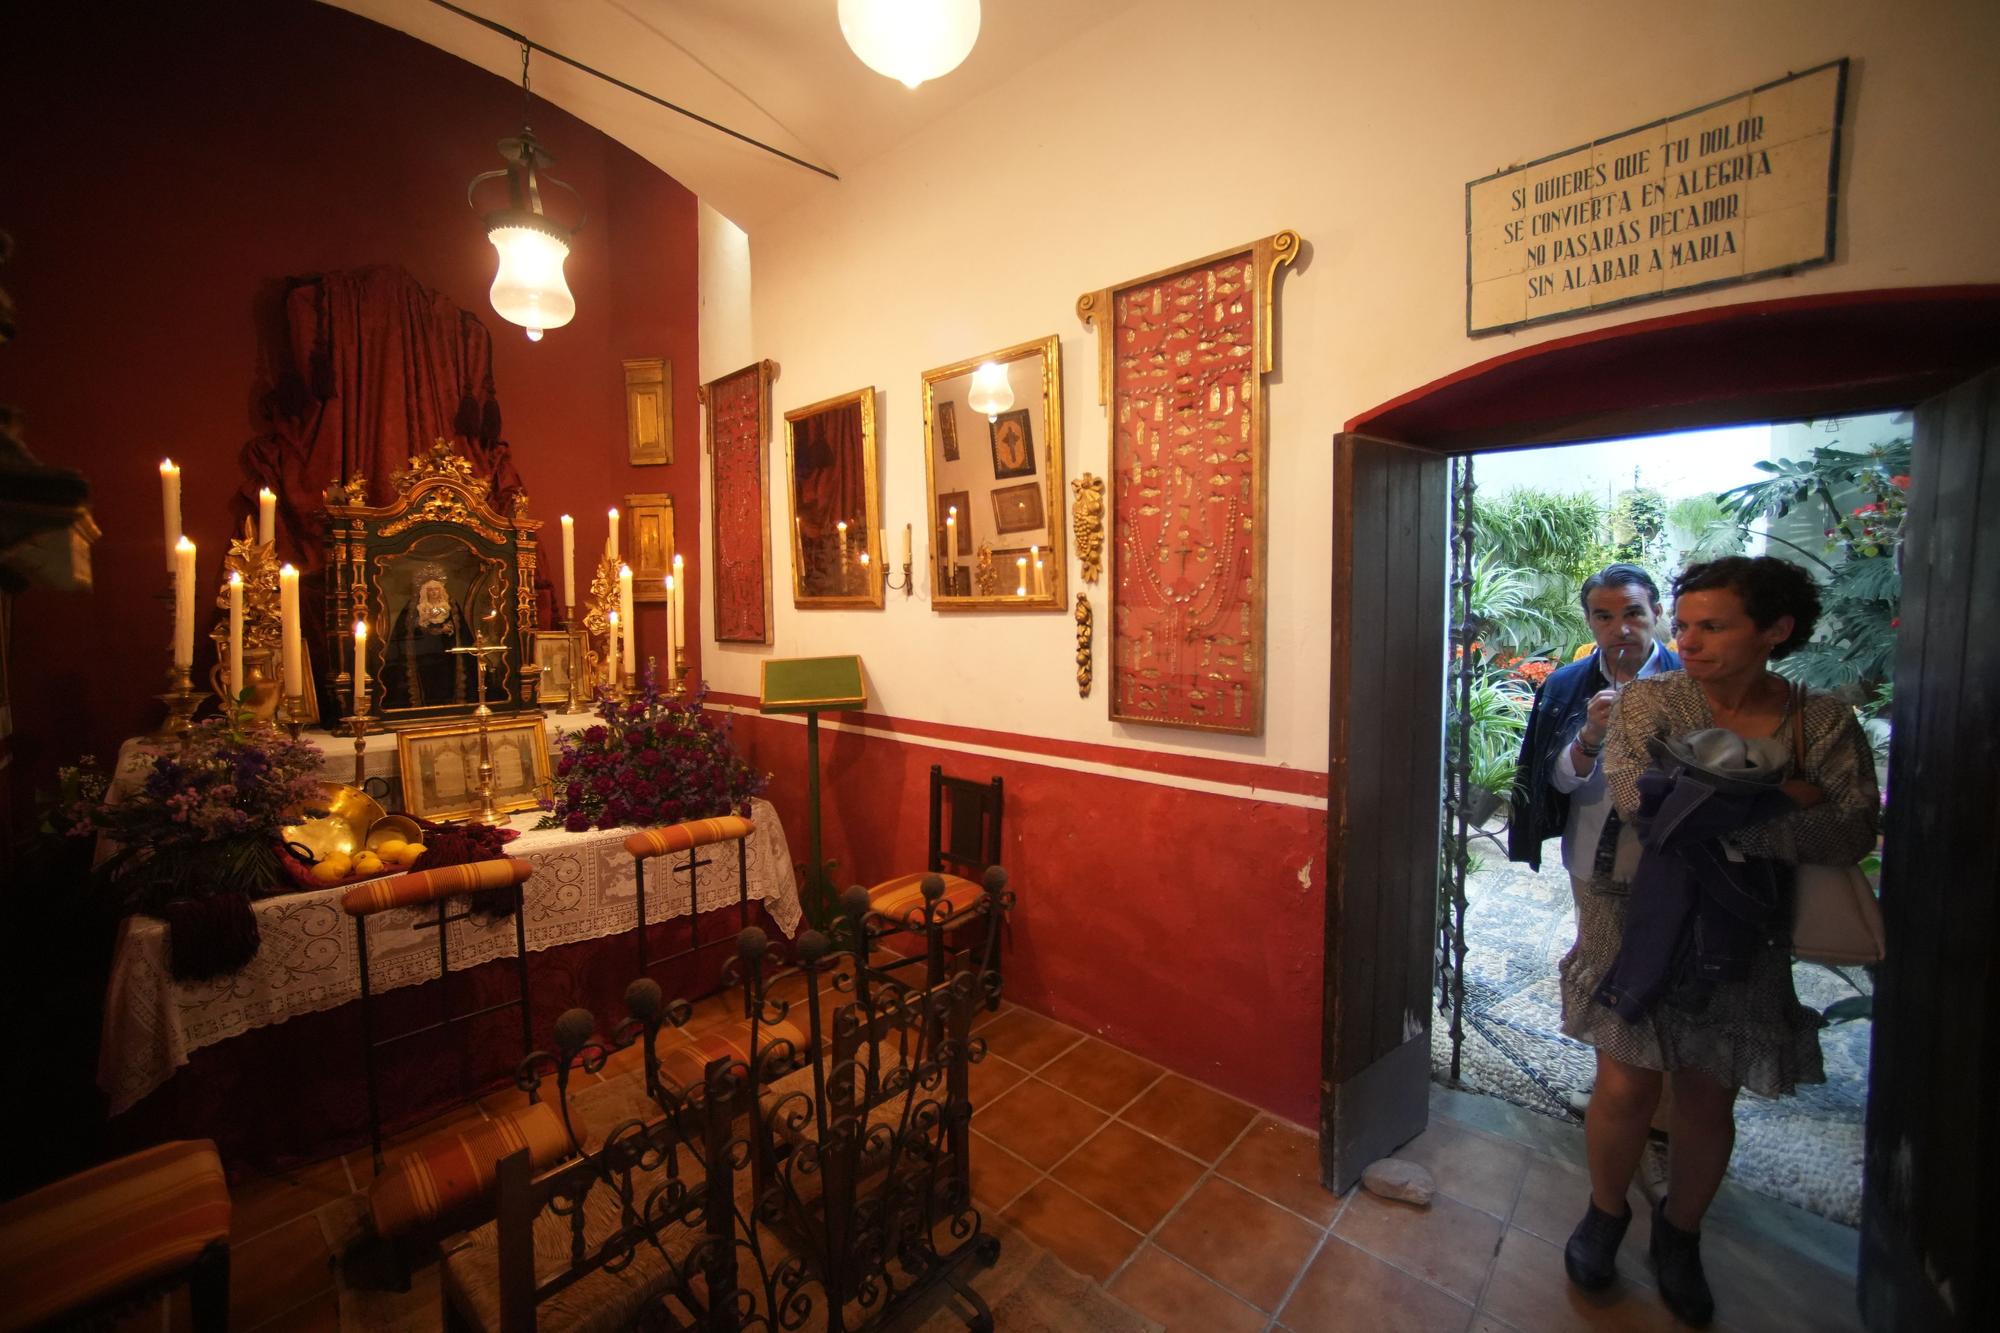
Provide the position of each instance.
(990, 392)
(910, 40)
(528, 286)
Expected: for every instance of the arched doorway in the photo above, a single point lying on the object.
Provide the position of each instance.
(1838, 354)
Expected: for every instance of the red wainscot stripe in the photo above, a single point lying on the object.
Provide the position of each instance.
(1288, 786)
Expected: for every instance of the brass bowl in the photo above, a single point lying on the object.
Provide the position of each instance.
(399, 826)
(350, 814)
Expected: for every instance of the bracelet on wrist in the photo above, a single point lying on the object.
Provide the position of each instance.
(1592, 751)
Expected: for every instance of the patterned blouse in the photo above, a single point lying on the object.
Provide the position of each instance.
(1838, 831)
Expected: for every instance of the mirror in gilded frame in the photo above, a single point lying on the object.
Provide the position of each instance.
(995, 479)
(836, 520)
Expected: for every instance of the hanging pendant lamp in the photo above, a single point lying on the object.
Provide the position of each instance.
(528, 285)
(991, 392)
(910, 40)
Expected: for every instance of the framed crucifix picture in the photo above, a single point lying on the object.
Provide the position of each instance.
(1013, 445)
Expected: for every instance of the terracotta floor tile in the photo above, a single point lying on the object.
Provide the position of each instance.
(1164, 1289)
(1246, 1244)
(1471, 1167)
(1100, 1073)
(277, 1271)
(1553, 1197)
(1039, 1122)
(1344, 1287)
(1194, 1119)
(1028, 1039)
(1530, 1291)
(1135, 1178)
(1085, 1237)
(263, 1202)
(1448, 1243)
(998, 1176)
(1281, 1162)
(991, 1077)
(321, 1314)
(984, 1018)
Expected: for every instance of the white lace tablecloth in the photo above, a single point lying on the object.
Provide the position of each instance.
(582, 889)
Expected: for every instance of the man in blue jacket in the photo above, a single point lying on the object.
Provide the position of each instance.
(1558, 783)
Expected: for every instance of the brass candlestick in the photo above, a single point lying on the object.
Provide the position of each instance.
(292, 714)
(358, 723)
(182, 700)
(488, 812)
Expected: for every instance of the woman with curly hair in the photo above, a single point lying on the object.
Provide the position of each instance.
(1732, 618)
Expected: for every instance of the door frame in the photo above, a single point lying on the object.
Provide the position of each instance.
(1832, 354)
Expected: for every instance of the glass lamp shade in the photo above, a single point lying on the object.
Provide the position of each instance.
(990, 392)
(528, 288)
(910, 40)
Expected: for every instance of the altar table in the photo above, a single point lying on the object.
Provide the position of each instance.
(582, 889)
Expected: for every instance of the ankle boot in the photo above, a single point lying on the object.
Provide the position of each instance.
(1677, 1261)
(1592, 1253)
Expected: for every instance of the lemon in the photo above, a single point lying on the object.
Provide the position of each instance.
(327, 872)
(411, 851)
(367, 864)
(388, 843)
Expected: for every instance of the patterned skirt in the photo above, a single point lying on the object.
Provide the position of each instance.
(1753, 1033)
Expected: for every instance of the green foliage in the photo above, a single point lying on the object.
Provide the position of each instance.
(1701, 529)
(1537, 547)
(1639, 527)
(1861, 593)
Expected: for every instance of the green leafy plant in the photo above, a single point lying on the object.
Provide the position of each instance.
(1549, 541)
(1701, 529)
(1639, 526)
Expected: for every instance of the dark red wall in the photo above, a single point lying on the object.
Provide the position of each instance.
(167, 167)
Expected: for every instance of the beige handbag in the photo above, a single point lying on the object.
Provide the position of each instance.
(1835, 917)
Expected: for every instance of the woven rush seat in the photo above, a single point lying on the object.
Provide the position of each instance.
(684, 1061)
(903, 896)
(599, 1301)
(115, 1228)
(888, 1112)
(445, 1171)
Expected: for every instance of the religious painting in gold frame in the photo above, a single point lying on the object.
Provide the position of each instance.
(650, 520)
(437, 568)
(649, 411)
(830, 459)
(439, 767)
(1182, 355)
(1025, 441)
(736, 423)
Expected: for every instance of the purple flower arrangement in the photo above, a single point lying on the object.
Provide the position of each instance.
(650, 761)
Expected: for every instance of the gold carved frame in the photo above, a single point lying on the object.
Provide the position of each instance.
(1096, 309)
(1055, 567)
(871, 594)
(764, 372)
(650, 520)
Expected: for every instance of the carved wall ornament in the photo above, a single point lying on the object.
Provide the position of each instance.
(1086, 629)
(984, 576)
(1182, 355)
(1087, 520)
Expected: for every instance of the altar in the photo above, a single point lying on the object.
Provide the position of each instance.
(583, 889)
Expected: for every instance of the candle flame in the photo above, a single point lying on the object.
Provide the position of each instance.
(287, 571)
(167, 465)
(183, 544)
(236, 578)
(624, 571)
(360, 629)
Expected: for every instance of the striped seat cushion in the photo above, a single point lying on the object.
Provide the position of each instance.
(457, 1166)
(109, 1229)
(685, 1061)
(691, 833)
(427, 886)
(902, 898)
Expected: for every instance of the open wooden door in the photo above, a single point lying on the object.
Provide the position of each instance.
(1930, 1229)
(1383, 811)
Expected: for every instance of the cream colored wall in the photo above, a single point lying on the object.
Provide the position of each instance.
(1358, 125)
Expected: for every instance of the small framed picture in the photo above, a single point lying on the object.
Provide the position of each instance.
(555, 654)
(1018, 508)
(440, 767)
(1013, 446)
(962, 502)
(948, 430)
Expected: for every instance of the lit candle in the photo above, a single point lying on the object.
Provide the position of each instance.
(170, 507)
(267, 516)
(611, 647)
(951, 535)
(288, 617)
(677, 608)
(611, 540)
(906, 544)
(840, 529)
(629, 661)
(1021, 567)
(360, 664)
(569, 563)
(673, 630)
(235, 635)
(1040, 587)
(183, 598)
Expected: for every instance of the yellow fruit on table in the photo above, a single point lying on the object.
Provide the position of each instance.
(386, 844)
(367, 864)
(411, 851)
(328, 872)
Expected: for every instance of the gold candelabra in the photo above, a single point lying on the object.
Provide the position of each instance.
(358, 723)
(181, 699)
(488, 812)
(292, 713)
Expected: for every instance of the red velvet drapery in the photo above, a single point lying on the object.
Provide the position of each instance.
(376, 367)
(828, 472)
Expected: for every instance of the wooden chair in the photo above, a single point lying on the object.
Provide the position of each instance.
(689, 836)
(964, 843)
(81, 1250)
(449, 1170)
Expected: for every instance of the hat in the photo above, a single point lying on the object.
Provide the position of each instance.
(1727, 760)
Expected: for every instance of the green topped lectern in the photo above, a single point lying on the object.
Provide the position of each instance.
(811, 685)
